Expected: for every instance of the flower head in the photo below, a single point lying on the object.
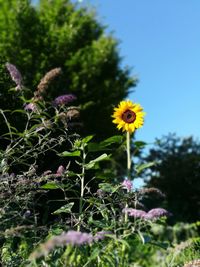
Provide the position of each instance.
(128, 116)
(157, 213)
(135, 213)
(64, 99)
(15, 75)
(127, 184)
(30, 107)
(47, 79)
(73, 238)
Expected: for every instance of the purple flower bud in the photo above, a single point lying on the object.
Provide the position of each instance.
(157, 213)
(60, 170)
(127, 184)
(15, 75)
(64, 99)
(30, 107)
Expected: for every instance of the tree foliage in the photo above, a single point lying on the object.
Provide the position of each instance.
(177, 173)
(59, 34)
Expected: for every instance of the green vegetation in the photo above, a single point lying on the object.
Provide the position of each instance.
(62, 199)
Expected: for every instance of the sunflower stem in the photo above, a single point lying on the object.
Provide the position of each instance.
(128, 148)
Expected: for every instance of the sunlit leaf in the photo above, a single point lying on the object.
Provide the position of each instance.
(50, 185)
(76, 153)
(92, 163)
(87, 139)
(64, 209)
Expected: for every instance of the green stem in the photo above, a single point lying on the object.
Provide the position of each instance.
(128, 149)
(82, 190)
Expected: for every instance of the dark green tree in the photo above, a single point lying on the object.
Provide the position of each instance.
(177, 174)
(59, 34)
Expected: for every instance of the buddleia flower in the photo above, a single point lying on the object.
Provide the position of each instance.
(45, 81)
(64, 99)
(15, 75)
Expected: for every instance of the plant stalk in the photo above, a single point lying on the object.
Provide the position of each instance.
(82, 189)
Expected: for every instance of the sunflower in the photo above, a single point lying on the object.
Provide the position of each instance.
(129, 116)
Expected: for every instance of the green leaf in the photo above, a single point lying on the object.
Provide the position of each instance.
(75, 153)
(112, 140)
(50, 185)
(64, 209)
(94, 255)
(93, 147)
(92, 163)
(87, 139)
(139, 144)
(109, 187)
(141, 167)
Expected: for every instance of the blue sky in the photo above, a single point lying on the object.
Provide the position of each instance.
(160, 40)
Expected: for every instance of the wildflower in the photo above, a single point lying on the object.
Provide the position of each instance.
(76, 238)
(47, 79)
(135, 213)
(157, 213)
(15, 75)
(30, 107)
(60, 170)
(128, 116)
(73, 238)
(127, 184)
(72, 113)
(64, 99)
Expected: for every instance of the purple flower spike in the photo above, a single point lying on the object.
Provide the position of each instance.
(157, 213)
(76, 238)
(135, 213)
(64, 99)
(127, 184)
(15, 75)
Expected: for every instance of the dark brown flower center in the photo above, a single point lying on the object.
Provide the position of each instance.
(128, 116)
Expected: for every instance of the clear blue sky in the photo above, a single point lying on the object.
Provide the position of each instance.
(160, 39)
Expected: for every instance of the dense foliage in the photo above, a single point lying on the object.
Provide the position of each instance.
(177, 173)
(58, 34)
